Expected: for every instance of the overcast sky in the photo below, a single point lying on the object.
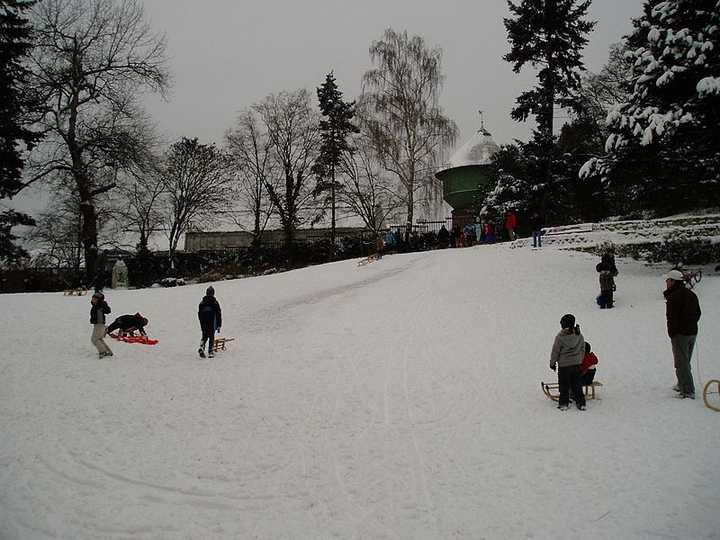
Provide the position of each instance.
(226, 55)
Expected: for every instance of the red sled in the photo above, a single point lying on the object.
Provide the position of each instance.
(143, 340)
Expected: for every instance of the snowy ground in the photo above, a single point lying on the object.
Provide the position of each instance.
(396, 400)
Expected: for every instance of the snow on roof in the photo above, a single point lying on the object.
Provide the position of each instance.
(477, 151)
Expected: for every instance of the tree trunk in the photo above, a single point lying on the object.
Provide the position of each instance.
(410, 208)
(89, 239)
(332, 202)
(550, 14)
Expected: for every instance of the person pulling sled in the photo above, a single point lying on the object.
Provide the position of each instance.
(210, 316)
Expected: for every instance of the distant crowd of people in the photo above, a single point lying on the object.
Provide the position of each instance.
(485, 230)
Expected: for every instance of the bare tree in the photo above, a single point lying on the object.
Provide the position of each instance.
(90, 62)
(141, 208)
(57, 235)
(367, 191)
(251, 151)
(198, 184)
(403, 116)
(293, 134)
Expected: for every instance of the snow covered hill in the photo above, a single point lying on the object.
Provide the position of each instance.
(400, 399)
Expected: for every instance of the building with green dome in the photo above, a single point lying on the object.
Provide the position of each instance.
(467, 169)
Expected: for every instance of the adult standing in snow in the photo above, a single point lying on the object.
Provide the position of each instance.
(682, 310)
(210, 317)
(536, 224)
(99, 309)
(443, 237)
(510, 224)
(567, 354)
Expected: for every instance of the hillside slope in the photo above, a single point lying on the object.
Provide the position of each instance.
(395, 400)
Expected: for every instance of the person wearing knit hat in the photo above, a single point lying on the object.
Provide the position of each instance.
(567, 355)
(682, 311)
(99, 309)
(210, 316)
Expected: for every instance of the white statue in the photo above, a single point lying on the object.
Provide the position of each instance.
(119, 275)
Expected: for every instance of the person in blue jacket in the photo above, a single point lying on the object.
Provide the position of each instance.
(210, 317)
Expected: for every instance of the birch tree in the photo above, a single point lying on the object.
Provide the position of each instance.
(405, 122)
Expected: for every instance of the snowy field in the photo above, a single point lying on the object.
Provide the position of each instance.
(397, 400)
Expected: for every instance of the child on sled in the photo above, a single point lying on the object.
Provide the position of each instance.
(587, 368)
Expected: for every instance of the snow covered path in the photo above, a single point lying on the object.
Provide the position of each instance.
(396, 400)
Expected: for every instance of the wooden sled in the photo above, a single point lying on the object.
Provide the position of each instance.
(708, 391)
(552, 390)
(691, 277)
(370, 258)
(75, 292)
(220, 343)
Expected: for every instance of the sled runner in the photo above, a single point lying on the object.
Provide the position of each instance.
(220, 343)
(691, 277)
(552, 391)
(712, 402)
(143, 340)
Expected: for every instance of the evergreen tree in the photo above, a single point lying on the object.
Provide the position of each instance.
(334, 131)
(664, 144)
(15, 43)
(550, 34)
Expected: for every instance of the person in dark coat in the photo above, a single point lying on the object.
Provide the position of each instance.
(99, 309)
(608, 271)
(682, 310)
(128, 324)
(210, 317)
(536, 224)
(443, 237)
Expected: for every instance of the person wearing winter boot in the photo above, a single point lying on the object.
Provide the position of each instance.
(567, 354)
(99, 308)
(608, 271)
(210, 317)
(682, 310)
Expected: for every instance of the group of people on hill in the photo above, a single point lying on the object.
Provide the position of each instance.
(485, 231)
(572, 357)
(209, 315)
